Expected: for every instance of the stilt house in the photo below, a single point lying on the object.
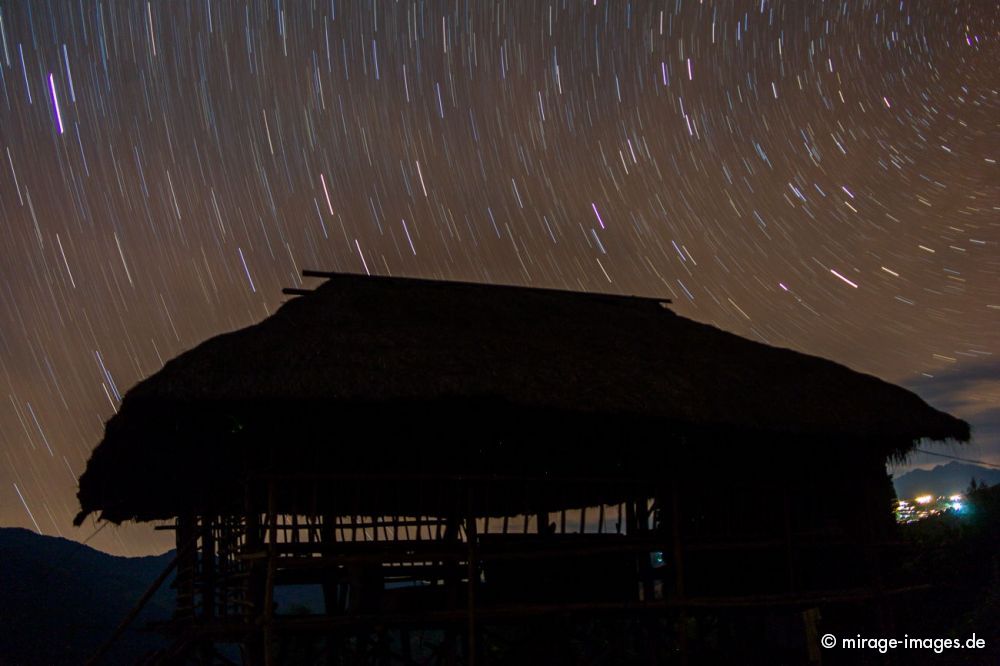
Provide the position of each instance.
(448, 466)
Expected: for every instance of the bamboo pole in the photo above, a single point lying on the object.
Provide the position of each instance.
(678, 549)
(139, 605)
(272, 528)
(472, 573)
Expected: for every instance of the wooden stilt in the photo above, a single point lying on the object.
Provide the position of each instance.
(272, 564)
(472, 575)
(256, 581)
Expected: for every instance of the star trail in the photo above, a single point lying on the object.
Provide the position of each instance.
(814, 175)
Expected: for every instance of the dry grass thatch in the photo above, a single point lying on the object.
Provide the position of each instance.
(397, 375)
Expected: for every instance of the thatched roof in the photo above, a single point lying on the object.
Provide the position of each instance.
(389, 375)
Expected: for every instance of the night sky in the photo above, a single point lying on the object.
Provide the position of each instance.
(816, 175)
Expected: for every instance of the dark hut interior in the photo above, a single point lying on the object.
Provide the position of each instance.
(468, 462)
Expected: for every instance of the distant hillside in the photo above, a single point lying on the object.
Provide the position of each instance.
(943, 479)
(60, 600)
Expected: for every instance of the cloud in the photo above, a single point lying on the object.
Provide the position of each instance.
(970, 391)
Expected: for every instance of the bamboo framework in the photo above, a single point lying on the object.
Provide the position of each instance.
(389, 581)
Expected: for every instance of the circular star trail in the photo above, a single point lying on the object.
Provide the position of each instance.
(814, 175)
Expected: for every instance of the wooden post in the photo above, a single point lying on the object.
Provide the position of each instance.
(648, 621)
(542, 522)
(207, 568)
(678, 553)
(186, 565)
(255, 580)
(472, 573)
(451, 584)
(790, 554)
(272, 564)
(645, 567)
(331, 600)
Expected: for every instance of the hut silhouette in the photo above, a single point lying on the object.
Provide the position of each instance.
(448, 458)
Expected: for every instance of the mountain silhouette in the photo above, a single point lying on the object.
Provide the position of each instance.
(60, 600)
(943, 480)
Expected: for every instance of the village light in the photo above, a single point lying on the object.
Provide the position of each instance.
(924, 499)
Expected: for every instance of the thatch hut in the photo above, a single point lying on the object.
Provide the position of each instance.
(432, 453)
